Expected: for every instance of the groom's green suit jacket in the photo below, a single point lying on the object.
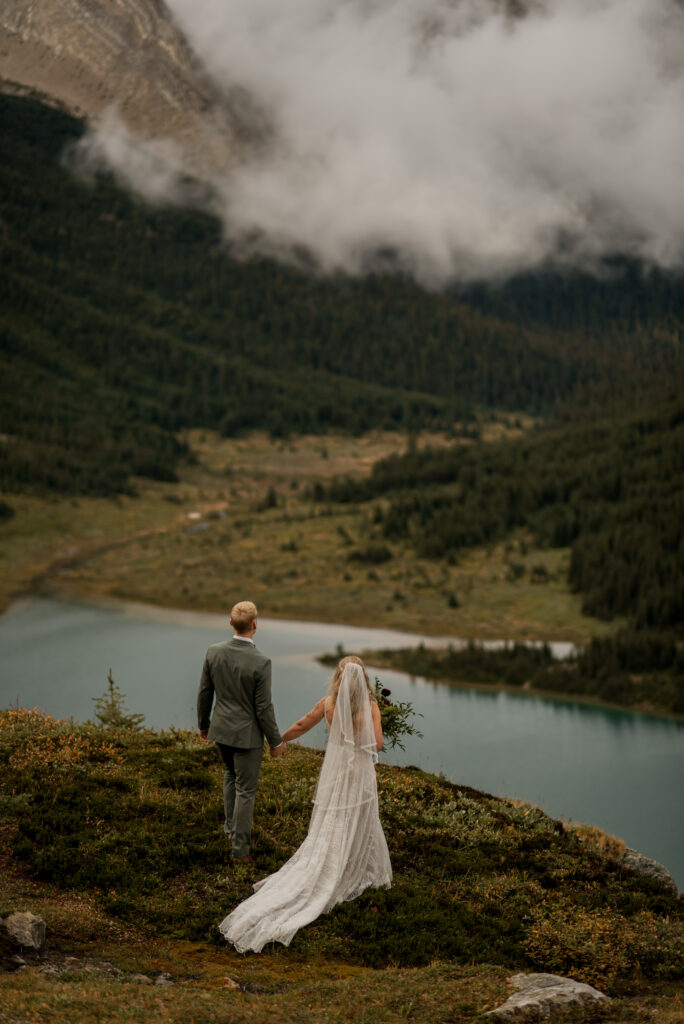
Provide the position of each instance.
(239, 677)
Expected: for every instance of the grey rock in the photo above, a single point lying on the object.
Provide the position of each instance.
(106, 967)
(164, 979)
(634, 861)
(140, 979)
(538, 995)
(101, 967)
(19, 961)
(27, 929)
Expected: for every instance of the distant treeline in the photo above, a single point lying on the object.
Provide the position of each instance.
(643, 670)
(622, 302)
(612, 490)
(121, 324)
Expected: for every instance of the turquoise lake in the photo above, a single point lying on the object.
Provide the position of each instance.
(618, 770)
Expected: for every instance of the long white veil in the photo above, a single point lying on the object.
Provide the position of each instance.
(345, 850)
(347, 778)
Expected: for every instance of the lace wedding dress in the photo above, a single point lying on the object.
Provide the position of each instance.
(345, 850)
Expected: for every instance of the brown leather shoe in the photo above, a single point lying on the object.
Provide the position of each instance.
(243, 860)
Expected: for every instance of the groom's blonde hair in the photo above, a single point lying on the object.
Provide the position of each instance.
(242, 615)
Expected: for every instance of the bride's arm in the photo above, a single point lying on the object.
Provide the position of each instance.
(377, 726)
(310, 719)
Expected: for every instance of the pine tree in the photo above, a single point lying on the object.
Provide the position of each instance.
(111, 710)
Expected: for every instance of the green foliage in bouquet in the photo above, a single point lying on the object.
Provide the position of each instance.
(397, 719)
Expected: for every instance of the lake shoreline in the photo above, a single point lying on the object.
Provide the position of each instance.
(530, 692)
(44, 586)
(193, 616)
(141, 611)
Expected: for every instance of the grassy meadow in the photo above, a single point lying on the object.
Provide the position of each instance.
(244, 520)
(115, 838)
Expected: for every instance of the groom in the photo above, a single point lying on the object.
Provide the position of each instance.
(240, 678)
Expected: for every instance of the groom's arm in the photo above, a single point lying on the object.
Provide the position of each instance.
(205, 698)
(264, 708)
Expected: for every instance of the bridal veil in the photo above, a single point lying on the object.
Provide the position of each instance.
(345, 851)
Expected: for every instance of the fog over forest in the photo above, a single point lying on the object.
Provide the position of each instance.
(469, 141)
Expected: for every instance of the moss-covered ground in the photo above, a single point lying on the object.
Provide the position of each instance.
(115, 839)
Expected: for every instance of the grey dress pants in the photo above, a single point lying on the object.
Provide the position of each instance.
(240, 781)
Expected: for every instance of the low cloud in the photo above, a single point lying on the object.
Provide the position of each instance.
(454, 137)
(157, 170)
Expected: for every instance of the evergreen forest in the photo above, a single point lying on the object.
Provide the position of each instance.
(611, 488)
(121, 324)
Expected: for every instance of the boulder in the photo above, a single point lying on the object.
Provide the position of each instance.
(538, 995)
(27, 929)
(632, 860)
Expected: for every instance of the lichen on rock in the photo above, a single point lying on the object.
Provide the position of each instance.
(27, 929)
(538, 995)
(632, 860)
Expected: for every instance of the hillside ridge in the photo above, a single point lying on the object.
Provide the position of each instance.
(123, 856)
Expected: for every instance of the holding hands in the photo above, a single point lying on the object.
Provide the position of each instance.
(299, 728)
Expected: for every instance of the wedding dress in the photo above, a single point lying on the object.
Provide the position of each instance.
(345, 851)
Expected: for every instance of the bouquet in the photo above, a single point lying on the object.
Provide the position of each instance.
(397, 719)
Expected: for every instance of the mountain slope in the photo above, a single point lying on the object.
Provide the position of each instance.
(90, 55)
(122, 324)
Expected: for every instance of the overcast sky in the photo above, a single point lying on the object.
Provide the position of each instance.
(470, 143)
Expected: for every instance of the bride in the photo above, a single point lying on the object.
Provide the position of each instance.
(345, 850)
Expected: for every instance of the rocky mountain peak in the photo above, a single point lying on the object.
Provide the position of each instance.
(91, 55)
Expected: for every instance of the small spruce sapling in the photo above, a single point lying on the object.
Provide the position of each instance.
(111, 709)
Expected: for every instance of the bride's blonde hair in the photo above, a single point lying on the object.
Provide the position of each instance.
(333, 689)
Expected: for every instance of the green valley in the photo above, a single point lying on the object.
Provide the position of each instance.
(179, 426)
